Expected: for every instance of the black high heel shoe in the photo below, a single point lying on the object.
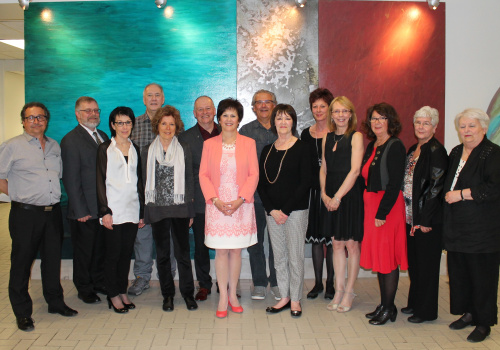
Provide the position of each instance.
(130, 306)
(117, 310)
(384, 316)
(375, 312)
(313, 294)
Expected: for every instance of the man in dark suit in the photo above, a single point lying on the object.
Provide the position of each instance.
(204, 112)
(79, 154)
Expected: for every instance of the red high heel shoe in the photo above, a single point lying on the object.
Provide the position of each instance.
(237, 309)
(221, 314)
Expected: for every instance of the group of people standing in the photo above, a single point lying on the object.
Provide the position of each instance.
(325, 188)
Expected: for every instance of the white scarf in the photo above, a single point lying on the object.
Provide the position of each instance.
(173, 157)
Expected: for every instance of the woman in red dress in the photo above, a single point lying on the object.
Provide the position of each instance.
(384, 242)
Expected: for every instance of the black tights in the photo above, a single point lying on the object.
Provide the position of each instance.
(317, 257)
(388, 283)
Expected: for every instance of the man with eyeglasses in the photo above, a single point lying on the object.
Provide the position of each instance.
(29, 175)
(79, 155)
(142, 135)
(263, 103)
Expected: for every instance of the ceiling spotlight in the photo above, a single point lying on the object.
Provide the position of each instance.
(25, 4)
(433, 4)
(301, 3)
(159, 3)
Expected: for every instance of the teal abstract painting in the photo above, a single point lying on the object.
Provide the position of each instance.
(111, 50)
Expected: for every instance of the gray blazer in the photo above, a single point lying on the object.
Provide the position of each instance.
(193, 137)
(79, 156)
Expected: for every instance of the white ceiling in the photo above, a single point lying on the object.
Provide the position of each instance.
(11, 27)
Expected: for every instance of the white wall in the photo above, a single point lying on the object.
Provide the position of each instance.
(14, 101)
(472, 58)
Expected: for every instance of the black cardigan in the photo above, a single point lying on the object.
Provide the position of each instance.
(472, 226)
(428, 181)
(394, 171)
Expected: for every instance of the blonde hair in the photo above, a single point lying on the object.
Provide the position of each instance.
(353, 120)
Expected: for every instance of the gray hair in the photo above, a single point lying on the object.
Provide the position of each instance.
(427, 112)
(262, 91)
(473, 113)
(153, 84)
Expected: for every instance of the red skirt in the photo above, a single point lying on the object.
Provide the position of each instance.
(384, 248)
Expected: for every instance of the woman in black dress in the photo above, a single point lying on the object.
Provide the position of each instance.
(319, 101)
(342, 193)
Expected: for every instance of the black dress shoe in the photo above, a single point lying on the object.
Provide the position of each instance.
(407, 310)
(329, 292)
(168, 304)
(273, 310)
(64, 310)
(313, 294)
(91, 298)
(479, 334)
(384, 316)
(375, 312)
(190, 303)
(101, 290)
(415, 319)
(459, 324)
(25, 323)
(296, 313)
(130, 306)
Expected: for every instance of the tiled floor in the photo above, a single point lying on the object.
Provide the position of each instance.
(148, 327)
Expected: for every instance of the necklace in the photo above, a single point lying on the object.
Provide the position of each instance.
(229, 146)
(281, 163)
(335, 138)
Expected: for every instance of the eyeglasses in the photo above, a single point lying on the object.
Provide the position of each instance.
(381, 119)
(341, 111)
(262, 102)
(90, 111)
(127, 123)
(425, 124)
(40, 118)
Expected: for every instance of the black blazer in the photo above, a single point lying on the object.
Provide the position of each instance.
(195, 141)
(473, 226)
(386, 177)
(79, 156)
(428, 181)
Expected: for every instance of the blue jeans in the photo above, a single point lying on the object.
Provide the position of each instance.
(257, 255)
(143, 251)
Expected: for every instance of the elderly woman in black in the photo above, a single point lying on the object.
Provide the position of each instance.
(471, 227)
(426, 165)
(284, 183)
(384, 241)
(120, 198)
(169, 191)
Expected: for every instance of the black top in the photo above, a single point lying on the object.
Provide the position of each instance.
(164, 184)
(472, 226)
(291, 190)
(428, 180)
(315, 146)
(386, 173)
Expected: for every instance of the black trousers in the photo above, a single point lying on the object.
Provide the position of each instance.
(424, 260)
(88, 255)
(474, 285)
(201, 253)
(119, 247)
(33, 230)
(179, 228)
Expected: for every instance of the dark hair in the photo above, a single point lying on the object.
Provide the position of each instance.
(167, 111)
(127, 111)
(386, 110)
(320, 94)
(35, 104)
(84, 99)
(284, 109)
(230, 103)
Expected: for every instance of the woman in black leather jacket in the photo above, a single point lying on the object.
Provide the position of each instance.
(426, 165)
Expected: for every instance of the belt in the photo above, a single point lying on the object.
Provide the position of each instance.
(34, 207)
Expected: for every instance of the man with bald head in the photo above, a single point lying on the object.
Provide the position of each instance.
(205, 128)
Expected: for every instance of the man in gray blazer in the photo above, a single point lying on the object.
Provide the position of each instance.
(79, 154)
(204, 112)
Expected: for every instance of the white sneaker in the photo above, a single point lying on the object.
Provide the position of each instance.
(276, 292)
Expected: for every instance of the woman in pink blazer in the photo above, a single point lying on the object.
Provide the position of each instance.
(229, 174)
